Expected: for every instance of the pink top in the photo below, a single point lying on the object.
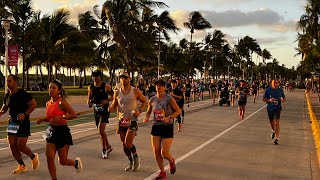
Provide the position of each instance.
(53, 110)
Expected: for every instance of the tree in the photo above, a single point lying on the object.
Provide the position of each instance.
(195, 22)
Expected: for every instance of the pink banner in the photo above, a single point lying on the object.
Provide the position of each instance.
(13, 55)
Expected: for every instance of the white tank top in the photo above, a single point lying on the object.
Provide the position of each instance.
(127, 103)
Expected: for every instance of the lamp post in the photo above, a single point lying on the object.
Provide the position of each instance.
(6, 26)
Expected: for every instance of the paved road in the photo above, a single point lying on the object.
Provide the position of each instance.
(214, 144)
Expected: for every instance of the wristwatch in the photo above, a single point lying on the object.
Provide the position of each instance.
(64, 117)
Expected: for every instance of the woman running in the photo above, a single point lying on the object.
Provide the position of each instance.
(165, 109)
(58, 134)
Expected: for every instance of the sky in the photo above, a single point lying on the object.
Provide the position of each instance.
(271, 22)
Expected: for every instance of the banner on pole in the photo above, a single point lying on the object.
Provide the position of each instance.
(13, 53)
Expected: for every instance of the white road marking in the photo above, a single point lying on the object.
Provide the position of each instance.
(154, 175)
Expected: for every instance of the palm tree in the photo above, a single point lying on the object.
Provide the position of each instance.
(124, 19)
(195, 22)
(309, 22)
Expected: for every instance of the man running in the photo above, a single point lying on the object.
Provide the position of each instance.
(177, 94)
(188, 91)
(213, 90)
(20, 104)
(242, 92)
(254, 90)
(274, 96)
(126, 101)
(99, 96)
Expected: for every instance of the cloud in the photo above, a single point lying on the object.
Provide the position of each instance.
(61, 1)
(79, 8)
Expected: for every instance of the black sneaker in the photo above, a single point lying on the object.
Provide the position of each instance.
(276, 142)
(273, 135)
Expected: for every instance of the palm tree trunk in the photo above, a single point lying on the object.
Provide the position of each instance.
(190, 54)
(36, 75)
(85, 76)
(28, 79)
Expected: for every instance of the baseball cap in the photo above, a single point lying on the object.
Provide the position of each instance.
(96, 73)
(160, 82)
(124, 74)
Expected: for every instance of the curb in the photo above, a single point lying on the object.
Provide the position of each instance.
(33, 120)
(315, 127)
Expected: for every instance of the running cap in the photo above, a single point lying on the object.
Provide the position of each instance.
(160, 82)
(96, 73)
(125, 75)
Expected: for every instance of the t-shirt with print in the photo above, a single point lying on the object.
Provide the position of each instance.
(243, 91)
(161, 108)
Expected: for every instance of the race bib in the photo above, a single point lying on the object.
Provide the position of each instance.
(12, 128)
(276, 102)
(48, 133)
(98, 107)
(159, 114)
(125, 122)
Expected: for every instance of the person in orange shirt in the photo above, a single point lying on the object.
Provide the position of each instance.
(58, 134)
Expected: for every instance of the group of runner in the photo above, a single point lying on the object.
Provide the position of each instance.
(166, 105)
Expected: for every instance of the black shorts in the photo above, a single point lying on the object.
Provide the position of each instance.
(102, 117)
(242, 103)
(274, 114)
(24, 130)
(133, 127)
(59, 135)
(163, 131)
(254, 92)
(188, 93)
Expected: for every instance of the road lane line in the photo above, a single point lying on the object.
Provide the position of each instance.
(154, 175)
(77, 132)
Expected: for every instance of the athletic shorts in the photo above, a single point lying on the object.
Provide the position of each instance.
(59, 135)
(24, 130)
(274, 114)
(242, 103)
(132, 127)
(102, 117)
(163, 131)
(213, 92)
(254, 92)
(188, 93)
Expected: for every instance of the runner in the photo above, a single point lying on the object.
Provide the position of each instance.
(254, 90)
(126, 101)
(274, 96)
(58, 134)
(20, 104)
(99, 96)
(213, 90)
(151, 90)
(141, 86)
(242, 92)
(183, 90)
(232, 90)
(165, 109)
(177, 94)
(201, 90)
(194, 89)
(188, 91)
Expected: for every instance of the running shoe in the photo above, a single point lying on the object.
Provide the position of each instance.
(78, 165)
(35, 161)
(161, 175)
(136, 162)
(129, 167)
(20, 169)
(173, 166)
(276, 142)
(104, 154)
(109, 151)
(273, 134)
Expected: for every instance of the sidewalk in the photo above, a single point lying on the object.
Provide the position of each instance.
(79, 104)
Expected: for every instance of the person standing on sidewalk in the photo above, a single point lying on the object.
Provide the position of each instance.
(99, 96)
(242, 92)
(58, 134)
(126, 101)
(164, 109)
(274, 96)
(20, 104)
(177, 94)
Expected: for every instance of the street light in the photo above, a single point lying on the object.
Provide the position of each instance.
(6, 26)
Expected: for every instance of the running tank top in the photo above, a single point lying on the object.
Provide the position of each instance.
(53, 110)
(99, 93)
(188, 87)
(161, 108)
(127, 103)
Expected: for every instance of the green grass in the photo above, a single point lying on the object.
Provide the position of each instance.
(43, 96)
